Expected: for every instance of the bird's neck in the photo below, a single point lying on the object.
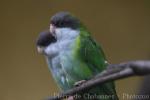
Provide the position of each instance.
(66, 33)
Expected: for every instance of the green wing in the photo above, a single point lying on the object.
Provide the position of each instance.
(93, 55)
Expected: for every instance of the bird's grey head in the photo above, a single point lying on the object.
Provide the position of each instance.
(63, 20)
(44, 39)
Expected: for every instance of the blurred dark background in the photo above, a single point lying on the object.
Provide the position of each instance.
(122, 27)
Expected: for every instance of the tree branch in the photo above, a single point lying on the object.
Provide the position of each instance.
(113, 72)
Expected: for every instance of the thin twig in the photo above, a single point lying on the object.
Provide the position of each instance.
(113, 72)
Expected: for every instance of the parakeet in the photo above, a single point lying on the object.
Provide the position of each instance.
(73, 55)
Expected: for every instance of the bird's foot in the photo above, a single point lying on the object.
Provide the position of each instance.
(70, 98)
(79, 83)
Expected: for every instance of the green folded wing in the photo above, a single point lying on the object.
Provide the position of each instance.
(92, 54)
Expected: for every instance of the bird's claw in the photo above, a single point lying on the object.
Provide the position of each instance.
(70, 98)
(79, 83)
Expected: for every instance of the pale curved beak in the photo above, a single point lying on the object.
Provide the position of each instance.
(52, 29)
(40, 49)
